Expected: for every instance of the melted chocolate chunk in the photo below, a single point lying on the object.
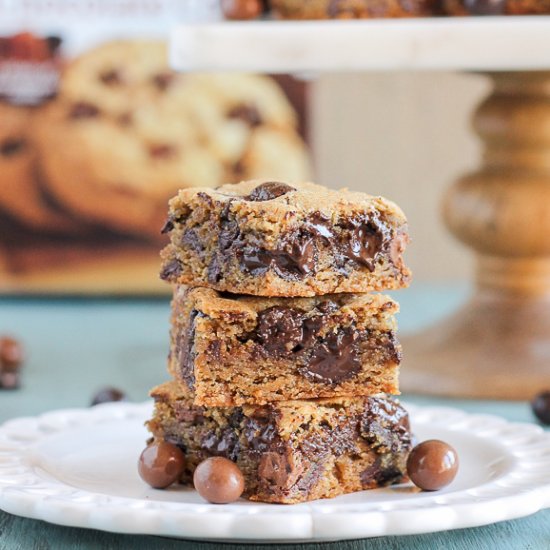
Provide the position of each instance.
(486, 7)
(268, 191)
(12, 146)
(163, 80)
(385, 426)
(295, 258)
(172, 270)
(111, 78)
(365, 240)
(280, 329)
(247, 113)
(185, 350)
(379, 474)
(82, 110)
(321, 226)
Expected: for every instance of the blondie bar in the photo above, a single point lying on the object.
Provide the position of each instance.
(231, 349)
(275, 239)
(291, 451)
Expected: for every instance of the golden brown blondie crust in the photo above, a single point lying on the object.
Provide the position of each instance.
(231, 349)
(292, 451)
(278, 239)
(498, 7)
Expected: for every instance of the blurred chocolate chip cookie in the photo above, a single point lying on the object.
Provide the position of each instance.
(125, 133)
(21, 196)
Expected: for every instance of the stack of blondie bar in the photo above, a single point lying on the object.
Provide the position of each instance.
(282, 356)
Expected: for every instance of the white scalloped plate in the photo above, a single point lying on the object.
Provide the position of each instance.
(78, 468)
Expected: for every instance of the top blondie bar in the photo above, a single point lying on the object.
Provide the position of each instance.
(275, 239)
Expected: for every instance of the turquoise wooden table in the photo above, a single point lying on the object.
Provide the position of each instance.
(76, 346)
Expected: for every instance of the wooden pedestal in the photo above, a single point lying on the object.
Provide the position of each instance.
(498, 344)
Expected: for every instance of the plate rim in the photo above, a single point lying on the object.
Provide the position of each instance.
(521, 491)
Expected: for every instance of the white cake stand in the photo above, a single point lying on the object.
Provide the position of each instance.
(498, 344)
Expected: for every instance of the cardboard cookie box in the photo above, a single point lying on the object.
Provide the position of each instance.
(96, 133)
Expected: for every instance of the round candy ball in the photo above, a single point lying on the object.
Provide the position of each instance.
(242, 9)
(432, 465)
(11, 352)
(161, 464)
(218, 480)
(108, 395)
(541, 407)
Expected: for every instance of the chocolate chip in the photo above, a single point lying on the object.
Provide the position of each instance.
(82, 110)
(268, 191)
(163, 80)
(432, 465)
(111, 77)
(280, 329)
(162, 151)
(125, 119)
(12, 146)
(247, 113)
(541, 407)
(192, 240)
(218, 480)
(334, 359)
(274, 469)
(260, 434)
(108, 395)
(172, 270)
(161, 464)
(485, 7)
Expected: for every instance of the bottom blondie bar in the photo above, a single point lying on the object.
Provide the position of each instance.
(290, 451)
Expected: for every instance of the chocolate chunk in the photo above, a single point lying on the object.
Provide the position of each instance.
(268, 191)
(379, 474)
(321, 226)
(295, 258)
(247, 113)
(218, 480)
(365, 240)
(486, 7)
(225, 444)
(336, 440)
(82, 110)
(260, 433)
(111, 77)
(161, 464)
(172, 270)
(334, 359)
(162, 151)
(185, 350)
(541, 407)
(168, 226)
(385, 426)
(280, 329)
(108, 395)
(275, 470)
(163, 80)
(432, 465)
(12, 146)
(192, 240)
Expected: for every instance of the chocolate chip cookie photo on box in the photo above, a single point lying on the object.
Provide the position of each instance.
(125, 133)
(21, 196)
